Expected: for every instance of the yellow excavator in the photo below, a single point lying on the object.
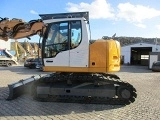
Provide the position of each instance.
(23, 55)
(82, 68)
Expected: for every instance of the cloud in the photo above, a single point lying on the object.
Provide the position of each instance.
(98, 9)
(140, 25)
(102, 9)
(158, 27)
(33, 12)
(136, 13)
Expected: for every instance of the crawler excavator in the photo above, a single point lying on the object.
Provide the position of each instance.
(82, 70)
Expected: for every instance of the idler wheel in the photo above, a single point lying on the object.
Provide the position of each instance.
(123, 92)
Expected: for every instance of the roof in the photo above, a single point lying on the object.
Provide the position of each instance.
(65, 15)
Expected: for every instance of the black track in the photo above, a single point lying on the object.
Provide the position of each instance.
(97, 78)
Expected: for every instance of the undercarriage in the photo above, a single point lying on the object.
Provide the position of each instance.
(96, 88)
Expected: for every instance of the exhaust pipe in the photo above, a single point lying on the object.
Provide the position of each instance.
(21, 87)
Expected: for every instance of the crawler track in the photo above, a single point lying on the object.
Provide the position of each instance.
(125, 93)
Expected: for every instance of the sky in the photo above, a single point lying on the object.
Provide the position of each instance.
(130, 18)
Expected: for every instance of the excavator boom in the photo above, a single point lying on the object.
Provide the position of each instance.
(17, 28)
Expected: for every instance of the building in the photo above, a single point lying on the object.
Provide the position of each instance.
(5, 44)
(138, 53)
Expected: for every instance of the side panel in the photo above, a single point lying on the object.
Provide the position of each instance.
(61, 59)
(98, 54)
(105, 54)
(79, 58)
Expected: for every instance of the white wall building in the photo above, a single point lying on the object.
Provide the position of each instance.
(5, 44)
(139, 50)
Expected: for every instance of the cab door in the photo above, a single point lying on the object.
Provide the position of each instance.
(56, 45)
(79, 50)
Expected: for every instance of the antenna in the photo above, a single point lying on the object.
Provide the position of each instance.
(114, 35)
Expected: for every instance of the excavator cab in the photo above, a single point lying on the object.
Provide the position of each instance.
(66, 42)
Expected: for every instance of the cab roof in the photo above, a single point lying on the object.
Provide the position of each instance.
(65, 15)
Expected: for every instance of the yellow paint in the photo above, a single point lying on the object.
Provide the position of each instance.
(71, 69)
(105, 54)
(113, 55)
(97, 51)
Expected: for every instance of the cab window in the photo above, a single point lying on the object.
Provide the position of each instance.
(76, 33)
